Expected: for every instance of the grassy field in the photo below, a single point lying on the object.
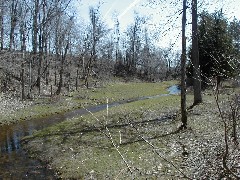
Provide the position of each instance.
(137, 140)
(45, 106)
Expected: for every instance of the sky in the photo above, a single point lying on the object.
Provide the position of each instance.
(164, 17)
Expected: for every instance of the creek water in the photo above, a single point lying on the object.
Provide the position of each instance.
(14, 161)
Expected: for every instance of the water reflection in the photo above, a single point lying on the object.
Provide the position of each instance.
(15, 164)
(175, 89)
(10, 137)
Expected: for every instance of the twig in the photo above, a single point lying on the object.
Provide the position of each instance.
(119, 174)
(109, 136)
(155, 151)
(226, 153)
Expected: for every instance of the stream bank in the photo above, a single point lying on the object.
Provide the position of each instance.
(14, 160)
(147, 138)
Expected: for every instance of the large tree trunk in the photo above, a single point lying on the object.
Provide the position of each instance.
(39, 73)
(23, 81)
(40, 57)
(35, 26)
(62, 69)
(195, 56)
(60, 84)
(13, 23)
(89, 68)
(23, 50)
(1, 25)
(23, 36)
(30, 79)
(93, 51)
(45, 40)
(183, 71)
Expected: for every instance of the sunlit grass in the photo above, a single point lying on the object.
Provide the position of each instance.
(78, 149)
(122, 91)
(86, 97)
(80, 152)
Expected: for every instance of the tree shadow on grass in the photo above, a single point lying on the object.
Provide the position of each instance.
(152, 138)
(87, 130)
(84, 129)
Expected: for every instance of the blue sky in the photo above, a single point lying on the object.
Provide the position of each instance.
(124, 9)
(164, 17)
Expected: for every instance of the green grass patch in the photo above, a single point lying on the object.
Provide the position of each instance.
(86, 97)
(81, 148)
(38, 110)
(78, 149)
(122, 91)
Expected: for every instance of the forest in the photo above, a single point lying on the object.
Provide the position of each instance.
(45, 50)
(84, 100)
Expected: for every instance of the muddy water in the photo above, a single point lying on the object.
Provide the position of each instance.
(14, 161)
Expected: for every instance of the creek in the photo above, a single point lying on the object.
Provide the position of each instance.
(14, 161)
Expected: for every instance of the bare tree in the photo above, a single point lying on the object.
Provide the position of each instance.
(62, 41)
(13, 14)
(195, 56)
(183, 70)
(97, 31)
(117, 34)
(135, 41)
(133, 33)
(35, 26)
(1, 24)
(23, 13)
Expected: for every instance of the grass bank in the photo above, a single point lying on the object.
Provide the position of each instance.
(137, 140)
(80, 148)
(13, 110)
